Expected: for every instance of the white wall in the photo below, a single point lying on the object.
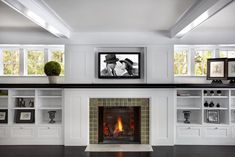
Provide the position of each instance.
(81, 50)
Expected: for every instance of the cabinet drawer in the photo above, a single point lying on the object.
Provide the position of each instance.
(49, 132)
(216, 132)
(22, 131)
(3, 132)
(188, 132)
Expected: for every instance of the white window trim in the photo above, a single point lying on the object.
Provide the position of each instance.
(23, 56)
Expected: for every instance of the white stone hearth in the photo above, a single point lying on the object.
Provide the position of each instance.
(119, 148)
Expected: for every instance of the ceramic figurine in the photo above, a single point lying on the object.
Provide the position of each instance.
(206, 104)
(31, 103)
(187, 116)
(211, 104)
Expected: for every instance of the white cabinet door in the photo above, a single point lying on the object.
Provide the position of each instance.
(188, 132)
(216, 132)
(233, 132)
(4, 132)
(49, 132)
(160, 64)
(22, 132)
(76, 118)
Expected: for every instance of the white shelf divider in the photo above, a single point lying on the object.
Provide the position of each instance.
(216, 97)
(188, 97)
(215, 108)
(23, 108)
(188, 108)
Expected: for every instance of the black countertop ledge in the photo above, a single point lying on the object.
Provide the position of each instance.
(172, 85)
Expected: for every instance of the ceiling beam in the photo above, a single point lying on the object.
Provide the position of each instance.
(40, 13)
(198, 13)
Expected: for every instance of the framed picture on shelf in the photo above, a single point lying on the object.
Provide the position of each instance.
(231, 68)
(217, 69)
(119, 65)
(213, 116)
(3, 116)
(24, 116)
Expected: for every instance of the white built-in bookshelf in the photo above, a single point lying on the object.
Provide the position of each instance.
(201, 129)
(37, 129)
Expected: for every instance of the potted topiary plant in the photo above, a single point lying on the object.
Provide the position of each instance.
(52, 69)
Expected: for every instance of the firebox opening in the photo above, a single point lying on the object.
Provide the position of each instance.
(119, 125)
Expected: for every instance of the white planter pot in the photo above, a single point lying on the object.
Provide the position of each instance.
(53, 79)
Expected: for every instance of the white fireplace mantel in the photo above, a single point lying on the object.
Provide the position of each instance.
(77, 113)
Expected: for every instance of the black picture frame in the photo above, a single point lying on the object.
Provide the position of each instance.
(230, 69)
(221, 73)
(213, 116)
(3, 116)
(136, 76)
(20, 118)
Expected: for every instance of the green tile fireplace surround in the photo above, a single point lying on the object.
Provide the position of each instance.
(93, 113)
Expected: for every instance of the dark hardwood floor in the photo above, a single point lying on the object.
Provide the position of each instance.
(61, 151)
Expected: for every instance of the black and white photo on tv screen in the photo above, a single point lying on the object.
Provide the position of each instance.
(119, 65)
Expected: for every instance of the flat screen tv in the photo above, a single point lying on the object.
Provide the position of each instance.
(119, 65)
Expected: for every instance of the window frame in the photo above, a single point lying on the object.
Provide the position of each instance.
(187, 61)
(1, 59)
(226, 49)
(23, 53)
(192, 52)
(26, 58)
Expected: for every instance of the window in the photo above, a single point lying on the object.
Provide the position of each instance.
(58, 56)
(227, 53)
(191, 60)
(181, 62)
(29, 60)
(35, 62)
(200, 61)
(11, 62)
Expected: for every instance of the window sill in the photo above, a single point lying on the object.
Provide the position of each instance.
(190, 76)
(27, 76)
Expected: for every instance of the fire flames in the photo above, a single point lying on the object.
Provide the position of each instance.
(118, 127)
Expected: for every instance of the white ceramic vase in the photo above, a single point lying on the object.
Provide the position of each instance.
(53, 79)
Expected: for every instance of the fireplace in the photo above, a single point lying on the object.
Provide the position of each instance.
(119, 120)
(119, 125)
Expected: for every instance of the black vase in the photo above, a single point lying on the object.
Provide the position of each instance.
(218, 105)
(206, 104)
(219, 92)
(205, 92)
(211, 104)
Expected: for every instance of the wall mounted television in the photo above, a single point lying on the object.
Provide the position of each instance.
(119, 65)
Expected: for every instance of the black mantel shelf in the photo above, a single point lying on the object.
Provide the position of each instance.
(115, 86)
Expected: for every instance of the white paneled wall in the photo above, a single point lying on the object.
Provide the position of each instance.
(160, 64)
(82, 65)
(77, 113)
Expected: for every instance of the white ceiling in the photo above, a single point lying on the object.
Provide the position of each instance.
(119, 15)
(223, 20)
(12, 19)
